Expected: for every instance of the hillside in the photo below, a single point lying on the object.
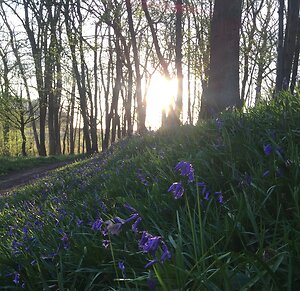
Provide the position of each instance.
(210, 207)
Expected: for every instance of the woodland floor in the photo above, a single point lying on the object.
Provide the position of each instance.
(23, 177)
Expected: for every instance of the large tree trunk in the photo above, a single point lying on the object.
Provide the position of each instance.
(223, 84)
(290, 40)
(287, 47)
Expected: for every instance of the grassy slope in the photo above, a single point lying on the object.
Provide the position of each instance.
(251, 240)
(12, 164)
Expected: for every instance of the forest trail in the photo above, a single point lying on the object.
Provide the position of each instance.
(24, 177)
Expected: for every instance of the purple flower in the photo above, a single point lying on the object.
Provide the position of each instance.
(65, 241)
(79, 222)
(122, 268)
(132, 217)
(97, 224)
(130, 208)
(152, 262)
(151, 245)
(185, 169)
(118, 219)
(201, 184)
(105, 243)
(220, 196)
(144, 238)
(266, 173)
(207, 193)
(177, 189)
(267, 149)
(166, 255)
(136, 224)
(16, 279)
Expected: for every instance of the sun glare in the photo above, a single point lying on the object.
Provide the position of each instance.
(161, 94)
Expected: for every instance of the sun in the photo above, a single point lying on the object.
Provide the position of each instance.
(160, 96)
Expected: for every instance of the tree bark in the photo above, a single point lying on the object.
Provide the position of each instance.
(223, 84)
(141, 108)
(178, 61)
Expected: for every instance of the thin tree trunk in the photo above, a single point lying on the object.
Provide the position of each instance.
(141, 108)
(178, 60)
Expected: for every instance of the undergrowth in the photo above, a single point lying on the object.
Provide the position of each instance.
(210, 207)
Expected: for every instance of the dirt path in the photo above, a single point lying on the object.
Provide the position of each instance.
(27, 176)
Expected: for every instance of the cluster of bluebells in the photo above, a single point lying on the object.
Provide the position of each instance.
(51, 212)
(186, 169)
(148, 243)
(45, 212)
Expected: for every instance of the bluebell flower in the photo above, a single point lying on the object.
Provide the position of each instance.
(152, 262)
(118, 219)
(219, 196)
(122, 268)
(267, 149)
(266, 173)
(97, 224)
(132, 217)
(151, 245)
(166, 255)
(79, 222)
(66, 242)
(136, 224)
(207, 193)
(16, 279)
(185, 169)
(177, 189)
(105, 243)
(144, 238)
(130, 208)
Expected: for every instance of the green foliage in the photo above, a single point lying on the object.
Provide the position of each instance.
(247, 241)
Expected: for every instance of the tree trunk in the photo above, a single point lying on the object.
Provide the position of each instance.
(178, 61)
(223, 84)
(296, 60)
(22, 130)
(79, 75)
(141, 108)
(72, 134)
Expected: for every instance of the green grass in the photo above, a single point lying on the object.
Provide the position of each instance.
(250, 241)
(12, 164)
